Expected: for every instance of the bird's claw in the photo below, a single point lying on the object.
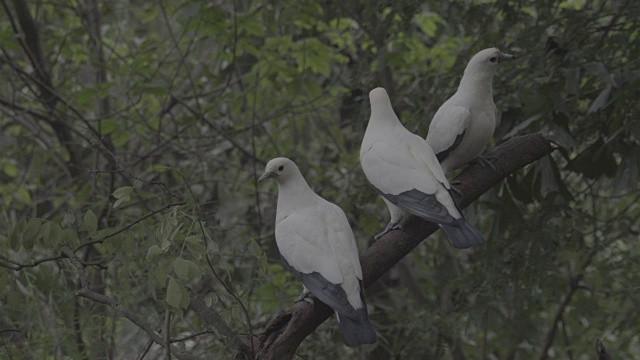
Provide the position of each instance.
(305, 296)
(487, 161)
(390, 226)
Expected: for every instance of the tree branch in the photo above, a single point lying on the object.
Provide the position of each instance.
(284, 334)
(601, 352)
(239, 349)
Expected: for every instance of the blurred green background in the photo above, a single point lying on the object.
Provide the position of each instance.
(146, 124)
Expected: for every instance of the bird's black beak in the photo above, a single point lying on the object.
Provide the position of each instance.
(267, 175)
(504, 57)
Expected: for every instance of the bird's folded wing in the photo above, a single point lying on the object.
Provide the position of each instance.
(392, 168)
(422, 205)
(327, 292)
(420, 149)
(302, 239)
(344, 242)
(447, 129)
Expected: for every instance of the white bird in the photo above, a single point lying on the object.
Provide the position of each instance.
(404, 170)
(465, 123)
(317, 245)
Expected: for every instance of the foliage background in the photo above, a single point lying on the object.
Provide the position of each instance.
(133, 132)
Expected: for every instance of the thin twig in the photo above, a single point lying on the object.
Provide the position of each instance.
(146, 349)
(102, 239)
(167, 334)
(133, 317)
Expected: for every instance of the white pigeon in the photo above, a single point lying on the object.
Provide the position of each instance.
(405, 172)
(317, 245)
(465, 123)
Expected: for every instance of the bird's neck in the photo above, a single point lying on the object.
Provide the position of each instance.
(293, 194)
(384, 117)
(477, 84)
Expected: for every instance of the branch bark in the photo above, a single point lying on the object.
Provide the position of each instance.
(283, 335)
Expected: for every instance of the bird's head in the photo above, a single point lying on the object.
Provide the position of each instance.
(487, 61)
(279, 169)
(381, 104)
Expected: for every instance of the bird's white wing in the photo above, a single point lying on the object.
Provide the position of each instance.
(399, 173)
(393, 168)
(420, 149)
(344, 241)
(302, 239)
(318, 246)
(447, 129)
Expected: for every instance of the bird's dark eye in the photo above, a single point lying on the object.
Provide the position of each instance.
(493, 59)
(281, 168)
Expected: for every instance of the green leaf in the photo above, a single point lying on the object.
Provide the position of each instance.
(108, 126)
(174, 294)
(31, 234)
(280, 278)
(90, 221)
(56, 235)
(153, 252)
(123, 192)
(68, 219)
(197, 250)
(45, 233)
(4, 279)
(161, 273)
(255, 248)
(185, 269)
(70, 235)
(192, 239)
(119, 202)
(15, 238)
(165, 245)
(184, 300)
(8, 39)
(262, 263)
(10, 169)
(23, 195)
(600, 101)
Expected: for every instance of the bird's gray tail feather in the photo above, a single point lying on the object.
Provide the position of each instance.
(357, 331)
(462, 234)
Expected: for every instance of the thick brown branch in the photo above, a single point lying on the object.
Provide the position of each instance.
(285, 333)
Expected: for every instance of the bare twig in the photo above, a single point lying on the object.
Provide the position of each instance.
(574, 285)
(102, 239)
(189, 337)
(146, 349)
(167, 334)
(211, 318)
(14, 265)
(133, 317)
(229, 289)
